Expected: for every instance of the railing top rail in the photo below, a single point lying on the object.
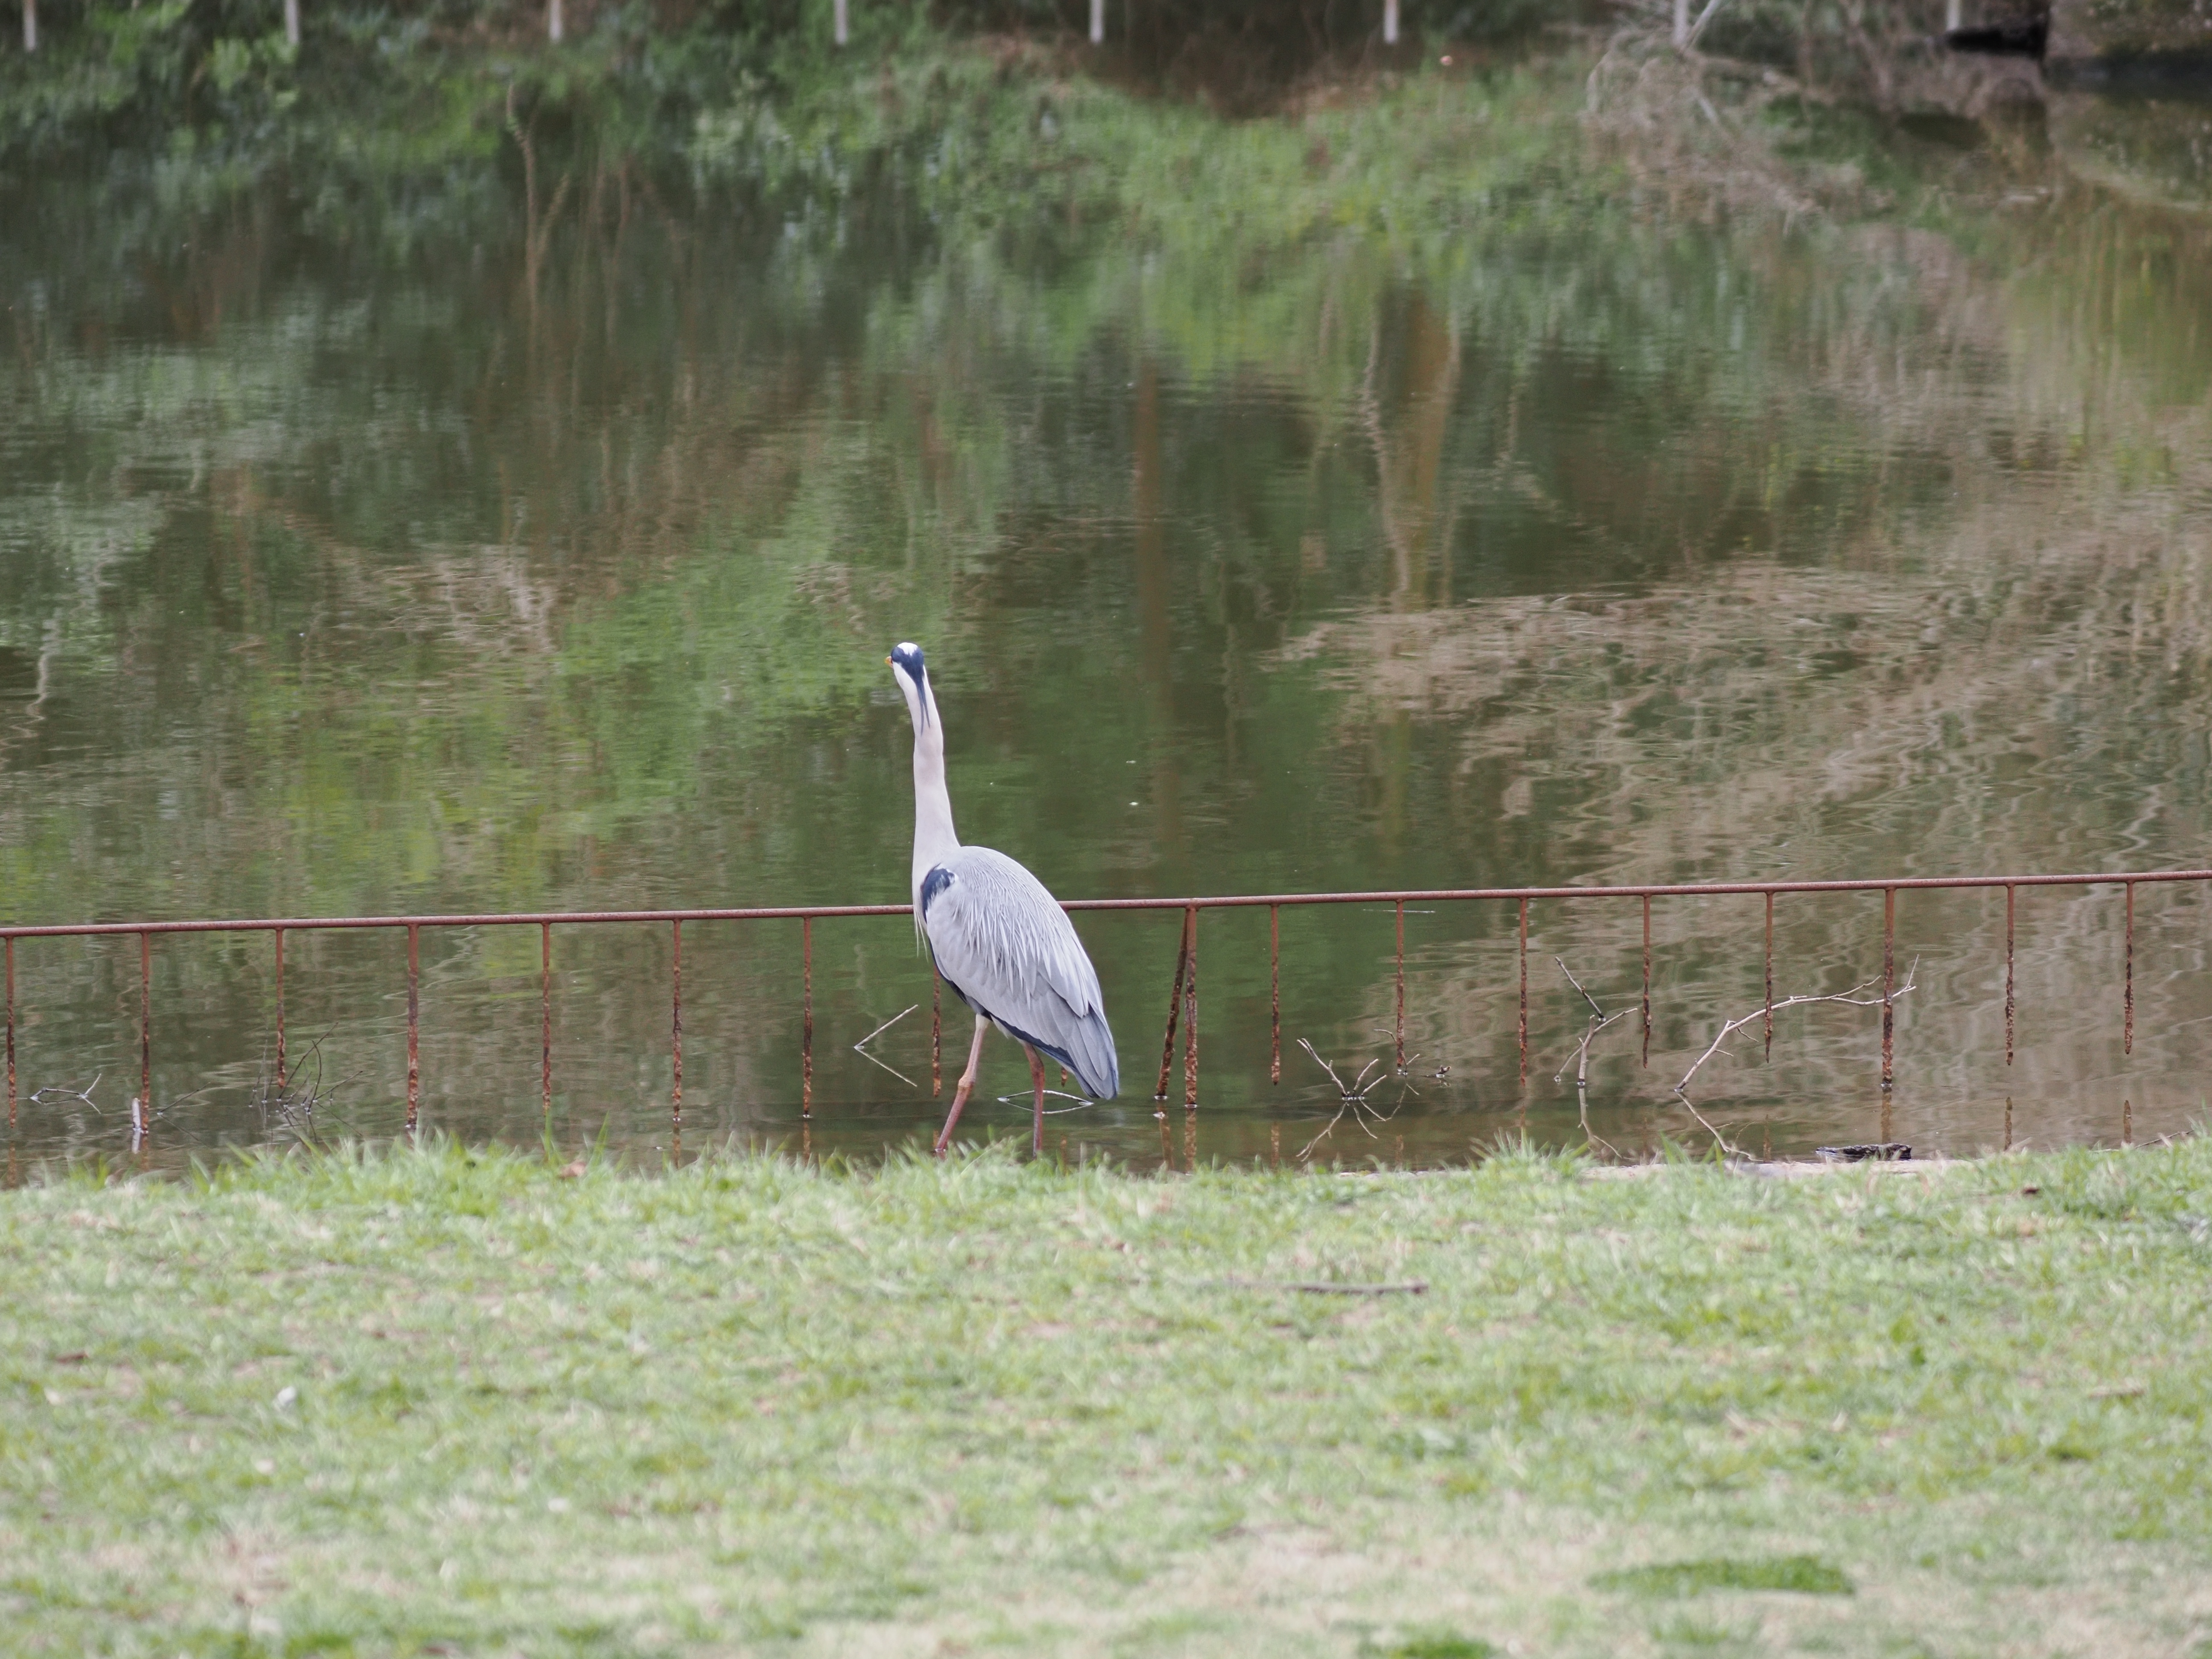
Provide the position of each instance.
(1212, 901)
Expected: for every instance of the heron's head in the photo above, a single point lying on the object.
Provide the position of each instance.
(913, 679)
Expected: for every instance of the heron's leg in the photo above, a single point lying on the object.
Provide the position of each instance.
(1036, 1082)
(967, 1082)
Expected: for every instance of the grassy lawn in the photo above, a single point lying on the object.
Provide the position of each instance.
(451, 1402)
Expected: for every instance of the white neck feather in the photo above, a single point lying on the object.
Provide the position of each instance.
(934, 839)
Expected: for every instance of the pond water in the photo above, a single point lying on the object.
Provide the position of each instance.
(1602, 545)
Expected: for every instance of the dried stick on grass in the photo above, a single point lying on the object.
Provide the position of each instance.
(1324, 1287)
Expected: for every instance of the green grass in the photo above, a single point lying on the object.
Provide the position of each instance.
(1806, 1574)
(449, 1403)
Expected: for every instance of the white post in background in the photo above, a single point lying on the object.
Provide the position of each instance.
(844, 23)
(1681, 24)
(1390, 23)
(292, 24)
(1098, 22)
(1952, 16)
(553, 20)
(30, 25)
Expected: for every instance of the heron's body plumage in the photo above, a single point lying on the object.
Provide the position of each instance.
(999, 939)
(1003, 943)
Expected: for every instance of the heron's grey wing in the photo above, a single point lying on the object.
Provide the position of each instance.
(1004, 943)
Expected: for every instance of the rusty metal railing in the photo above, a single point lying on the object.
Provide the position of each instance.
(1183, 1001)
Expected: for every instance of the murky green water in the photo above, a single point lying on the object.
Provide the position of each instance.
(1571, 548)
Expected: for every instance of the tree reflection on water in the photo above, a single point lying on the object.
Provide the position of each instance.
(1569, 543)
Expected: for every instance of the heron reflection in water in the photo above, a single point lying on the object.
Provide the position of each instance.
(998, 938)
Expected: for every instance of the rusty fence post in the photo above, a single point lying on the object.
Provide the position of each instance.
(545, 1023)
(676, 1046)
(1190, 1021)
(936, 1032)
(1888, 984)
(1401, 986)
(1769, 977)
(146, 1028)
(2128, 1038)
(1647, 979)
(806, 1017)
(1174, 1002)
(1524, 996)
(2009, 905)
(1274, 993)
(414, 1008)
(282, 1076)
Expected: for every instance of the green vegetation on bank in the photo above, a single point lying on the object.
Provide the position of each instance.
(385, 107)
(450, 1401)
(393, 88)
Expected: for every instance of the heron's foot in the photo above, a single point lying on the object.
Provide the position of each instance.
(952, 1117)
(967, 1083)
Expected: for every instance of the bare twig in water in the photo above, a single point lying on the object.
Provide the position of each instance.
(142, 1119)
(1854, 998)
(1851, 998)
(878, 1031)
(1862, 995)
(1350, 1097)
(1405, 1067)
(1595, 1009)
(1404, 1070)
(293, 1107)
(1582, 1048)
(63, 1091)
(1704, 1123)
(1354, 1091)
(1081, 1101)
(1599, 1020)
(887, 1024)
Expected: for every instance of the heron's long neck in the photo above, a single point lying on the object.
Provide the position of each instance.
(933, 840)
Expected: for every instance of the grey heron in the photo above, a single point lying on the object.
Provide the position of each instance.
(997, 937)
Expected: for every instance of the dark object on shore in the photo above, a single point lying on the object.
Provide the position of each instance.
(1871, 1152)
(2150, 48)
(2016, 37)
